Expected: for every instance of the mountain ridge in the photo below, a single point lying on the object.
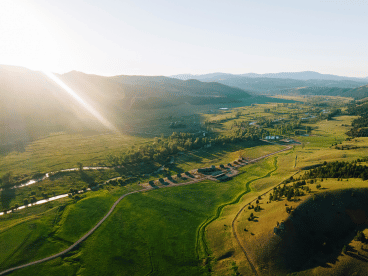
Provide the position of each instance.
(303, 75)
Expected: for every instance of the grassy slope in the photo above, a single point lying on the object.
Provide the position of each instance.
(54, 186)
(271, 213)
(308, 153)
(159, 226)
(224, 248)
(171, 216)
(64, 151)
(316, 149)
(191, 160)
(52, 228)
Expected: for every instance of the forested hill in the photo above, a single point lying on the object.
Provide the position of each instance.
(304, 75)
(359, 125)
(33, 105)
(289, 84)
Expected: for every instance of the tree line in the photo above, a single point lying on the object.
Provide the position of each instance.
(339, 169)
(162, 148)
(359, 125)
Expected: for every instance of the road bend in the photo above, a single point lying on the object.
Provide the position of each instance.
(84, 237)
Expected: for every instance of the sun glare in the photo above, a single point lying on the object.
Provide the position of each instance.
(90, 109)
(31, 39)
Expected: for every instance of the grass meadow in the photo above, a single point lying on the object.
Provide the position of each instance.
(155, 231)
(314, 149)
(184, 230)
(48, 229)
(64, 151)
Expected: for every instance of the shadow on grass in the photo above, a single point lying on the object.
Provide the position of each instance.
(226, 255)
(8, 148)
(90, 180)
(7, 195)
(152, 185)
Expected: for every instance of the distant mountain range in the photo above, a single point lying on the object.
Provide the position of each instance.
(301, 83)
(306, 75)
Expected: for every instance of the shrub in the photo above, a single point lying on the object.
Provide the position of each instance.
(360, 236)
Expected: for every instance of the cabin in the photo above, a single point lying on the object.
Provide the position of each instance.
(207, 170)
(272, 137)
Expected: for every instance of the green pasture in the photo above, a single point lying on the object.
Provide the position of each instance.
(155, 231)
(159, 232)
(52, 227)
(55, 185)
(326, 133)
(64, 151)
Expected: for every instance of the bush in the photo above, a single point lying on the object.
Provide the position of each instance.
(360, 236)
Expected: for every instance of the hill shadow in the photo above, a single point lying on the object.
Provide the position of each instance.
(317, 231)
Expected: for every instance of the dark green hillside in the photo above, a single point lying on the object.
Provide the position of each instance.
(359, 125)
(33, 105)
(357, 93)
(282, 84)
(159, 92)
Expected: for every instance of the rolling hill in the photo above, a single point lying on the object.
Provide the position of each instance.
(300, 83)
(33, 105)
(305, 75)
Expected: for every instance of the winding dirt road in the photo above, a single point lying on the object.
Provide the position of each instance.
(194, 180)
(239, 212)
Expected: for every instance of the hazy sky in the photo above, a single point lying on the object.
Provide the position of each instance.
(157, 37)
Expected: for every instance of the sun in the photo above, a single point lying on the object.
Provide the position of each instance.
(27, 35)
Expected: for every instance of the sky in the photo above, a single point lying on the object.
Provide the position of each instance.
(159, 37)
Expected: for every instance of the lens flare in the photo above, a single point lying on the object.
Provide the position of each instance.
(89, 108)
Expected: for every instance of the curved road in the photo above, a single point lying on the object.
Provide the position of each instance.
(237, 215)
(112, 209)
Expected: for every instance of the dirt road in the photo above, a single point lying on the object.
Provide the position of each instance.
(194, 180)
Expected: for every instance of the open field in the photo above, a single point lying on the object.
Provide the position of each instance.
(63, 182)
(260, 231)
(50, 228)
(185, 230)
(225, 251)
(63, 230)
(64, 151)
(140, 236)
(316, 149)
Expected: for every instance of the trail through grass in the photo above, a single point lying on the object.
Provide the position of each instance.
(201, 244)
